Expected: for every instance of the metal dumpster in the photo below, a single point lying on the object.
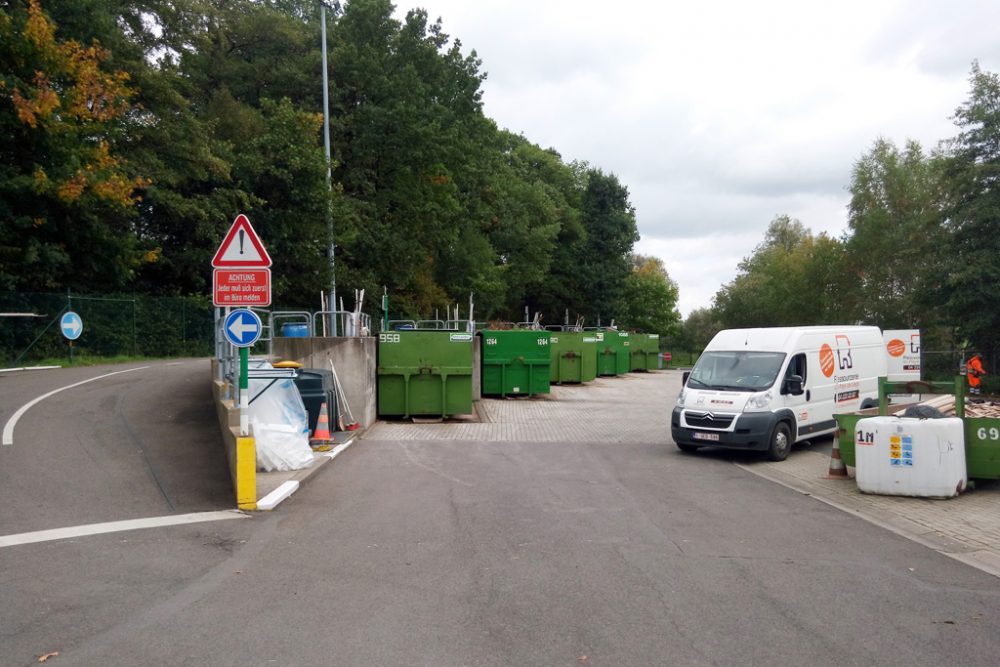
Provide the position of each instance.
(644, 351)
(607, 352)
(652, 352)
(424, 373)
(622, 343)
(515, 361)
(573, 356)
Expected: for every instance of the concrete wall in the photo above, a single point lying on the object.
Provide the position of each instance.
(354, 360)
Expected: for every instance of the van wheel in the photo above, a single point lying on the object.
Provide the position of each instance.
(687, 448)
(781, 442)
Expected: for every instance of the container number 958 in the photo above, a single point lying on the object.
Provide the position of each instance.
(388, 338)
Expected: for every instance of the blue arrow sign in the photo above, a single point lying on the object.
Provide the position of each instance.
(71, 325)
(242, 327)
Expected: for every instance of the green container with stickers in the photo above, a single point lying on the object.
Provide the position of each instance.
(574, 356)
(516, 362)
(607, 352)
(424, 373)
(645, 350)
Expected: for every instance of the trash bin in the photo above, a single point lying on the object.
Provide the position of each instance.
(315, 386)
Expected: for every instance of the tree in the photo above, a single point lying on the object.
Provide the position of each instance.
(650, 298)
(791, 279)
(609, 221)
(67, 194)
(973, 212)
(896, 236)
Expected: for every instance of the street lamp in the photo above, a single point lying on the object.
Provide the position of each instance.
(330, 251)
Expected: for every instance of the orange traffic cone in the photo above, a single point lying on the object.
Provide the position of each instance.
(321, 436)
(837, 468)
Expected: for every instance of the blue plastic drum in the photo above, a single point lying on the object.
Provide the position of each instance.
(292, 330)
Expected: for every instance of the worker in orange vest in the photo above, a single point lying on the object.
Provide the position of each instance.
(974, 371)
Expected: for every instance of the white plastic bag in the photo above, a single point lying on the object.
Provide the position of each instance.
(280, 425)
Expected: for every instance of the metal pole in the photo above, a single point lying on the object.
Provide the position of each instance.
(331, 252)
(244, 390)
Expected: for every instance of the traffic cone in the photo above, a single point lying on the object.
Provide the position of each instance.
(837, 468)
(321, 436)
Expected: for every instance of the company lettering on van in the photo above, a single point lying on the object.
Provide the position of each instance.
(838, 356)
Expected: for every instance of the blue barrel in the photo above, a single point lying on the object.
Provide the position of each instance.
(292, 330)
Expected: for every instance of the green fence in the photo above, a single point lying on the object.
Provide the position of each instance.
(113, 325)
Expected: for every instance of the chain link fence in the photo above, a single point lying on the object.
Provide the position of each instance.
(113, 325)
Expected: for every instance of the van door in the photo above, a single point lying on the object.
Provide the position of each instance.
(796, 393)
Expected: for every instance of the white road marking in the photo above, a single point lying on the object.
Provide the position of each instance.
(28, 368)
(8, 429)
(338, 449)
(117, 526)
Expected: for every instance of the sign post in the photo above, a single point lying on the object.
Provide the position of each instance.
(242, 277)
(242, 328)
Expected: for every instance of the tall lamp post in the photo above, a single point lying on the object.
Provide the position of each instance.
(330, 252)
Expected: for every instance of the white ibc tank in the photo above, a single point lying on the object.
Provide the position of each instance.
(898, 456)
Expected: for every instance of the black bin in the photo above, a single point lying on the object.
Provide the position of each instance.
(316, 385)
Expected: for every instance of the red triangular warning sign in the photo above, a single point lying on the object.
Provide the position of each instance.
(241, 247)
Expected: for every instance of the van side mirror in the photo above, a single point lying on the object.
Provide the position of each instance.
(793, 385)
(684, 378)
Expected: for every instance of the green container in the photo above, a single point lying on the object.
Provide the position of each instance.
(573, 356)
(644, 351)
(607, 352)
(652, 352)
(515, 362)
(622, 342)
(424, 373)
(982, 447)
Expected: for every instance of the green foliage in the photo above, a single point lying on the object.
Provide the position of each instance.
(973, 213)
(217, 108)
(896, 234)
(650, 298)
(790, 280)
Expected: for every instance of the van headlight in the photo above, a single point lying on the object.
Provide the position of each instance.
(681, 397)
(758, 402)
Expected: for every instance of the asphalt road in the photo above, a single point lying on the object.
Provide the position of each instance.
(136, 444)
(475, 552)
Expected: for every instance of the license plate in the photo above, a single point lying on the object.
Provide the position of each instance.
(706, 436)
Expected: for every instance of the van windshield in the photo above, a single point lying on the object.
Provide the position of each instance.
(736, 371)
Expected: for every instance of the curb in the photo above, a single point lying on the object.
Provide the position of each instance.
(289, 487)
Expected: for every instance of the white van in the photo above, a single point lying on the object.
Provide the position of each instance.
(765, 389)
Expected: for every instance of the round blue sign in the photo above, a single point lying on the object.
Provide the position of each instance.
(71, 325)
(242, 327)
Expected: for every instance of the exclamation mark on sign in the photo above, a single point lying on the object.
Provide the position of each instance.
(242, 235)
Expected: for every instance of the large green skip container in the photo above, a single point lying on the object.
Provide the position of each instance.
(424, 373)
(574, 356)
(644, 350)
(613, 352)
(515, 362)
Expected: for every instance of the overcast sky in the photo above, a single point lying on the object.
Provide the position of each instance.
(721, 116)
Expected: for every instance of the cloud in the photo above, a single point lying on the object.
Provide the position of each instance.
(719, 116)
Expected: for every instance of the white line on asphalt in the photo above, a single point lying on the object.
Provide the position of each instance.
(28, 368)
(8, 429)
(117, 526)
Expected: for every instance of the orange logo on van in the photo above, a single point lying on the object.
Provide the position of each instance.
(826, 360)
(896, 347)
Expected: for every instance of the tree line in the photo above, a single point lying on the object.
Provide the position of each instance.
(132, 132)
(921, 249)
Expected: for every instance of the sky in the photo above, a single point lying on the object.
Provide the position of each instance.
(721, 115)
